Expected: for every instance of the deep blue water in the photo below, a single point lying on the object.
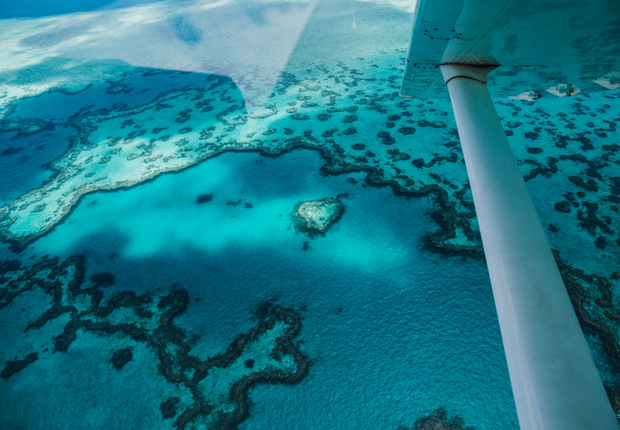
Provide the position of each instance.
(41, 8)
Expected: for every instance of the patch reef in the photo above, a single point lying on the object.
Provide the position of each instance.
(319, 215)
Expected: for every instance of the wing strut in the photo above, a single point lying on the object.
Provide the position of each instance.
(555, 383)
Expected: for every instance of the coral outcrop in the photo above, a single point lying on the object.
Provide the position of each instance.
(317, 216)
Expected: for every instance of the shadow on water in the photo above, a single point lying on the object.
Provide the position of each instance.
(27, 153)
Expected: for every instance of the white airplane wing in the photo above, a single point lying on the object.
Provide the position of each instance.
(544, 47)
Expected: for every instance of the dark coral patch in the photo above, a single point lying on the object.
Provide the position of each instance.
(589, 185)
(439, 420)
(407, 130)
(121, 357)
(14, 366)
(204, 198)
(205, 134)
(588, 292)
(117, 87)
(168, 408)
(386, 139)
(562, 207)
(300, 116)
(11, 151)
(264, 308)
(104, 279)
(425, 123)
(600, 242)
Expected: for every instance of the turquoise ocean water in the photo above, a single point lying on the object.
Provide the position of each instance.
(394, 332)
(391, 329)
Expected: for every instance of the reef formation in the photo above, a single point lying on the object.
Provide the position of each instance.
(439, 420)
(218, 386)
(411, 146)
(317, 216)
(121, 146)
(567, 150)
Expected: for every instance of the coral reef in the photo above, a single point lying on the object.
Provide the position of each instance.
(169, 407)
(439, 420)
(218, 385)
(567, 150)
(317, 216)
(123, 146)
(14, 366)
(204, 198)
(592, 299)
(121, 357)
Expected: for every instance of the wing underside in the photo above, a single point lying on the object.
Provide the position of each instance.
(545, 48)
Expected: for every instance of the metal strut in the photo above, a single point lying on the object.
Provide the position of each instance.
(554, 380)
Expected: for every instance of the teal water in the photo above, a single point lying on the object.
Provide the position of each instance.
(392, 330)
(40, 8)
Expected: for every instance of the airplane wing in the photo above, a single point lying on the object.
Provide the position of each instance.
(546, 48)
(474, 50)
